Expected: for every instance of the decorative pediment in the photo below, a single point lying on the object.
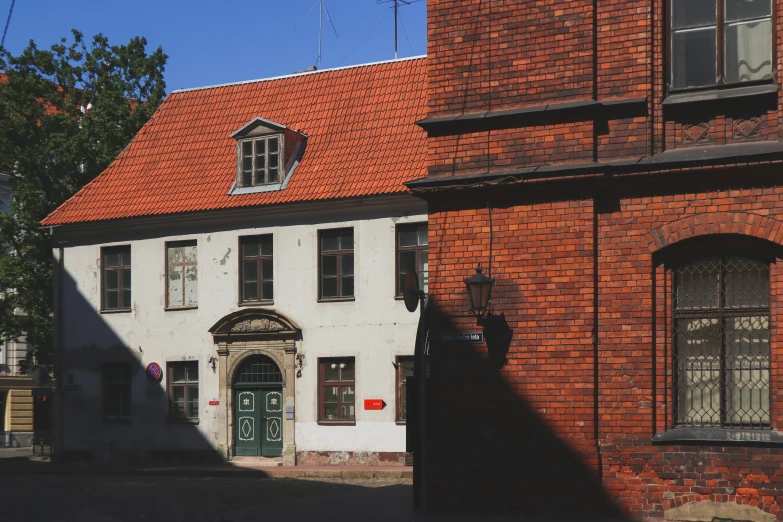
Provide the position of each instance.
(258, 325)
(255, 323)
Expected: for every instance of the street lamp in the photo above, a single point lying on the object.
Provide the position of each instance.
(480, 294)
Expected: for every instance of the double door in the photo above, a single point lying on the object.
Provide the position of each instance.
(258, 426)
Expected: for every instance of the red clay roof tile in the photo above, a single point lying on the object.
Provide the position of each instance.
(362, 141)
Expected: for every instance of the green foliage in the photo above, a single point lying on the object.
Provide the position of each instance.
(65, 114)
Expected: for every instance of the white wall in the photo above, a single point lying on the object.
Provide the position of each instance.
(375, 329)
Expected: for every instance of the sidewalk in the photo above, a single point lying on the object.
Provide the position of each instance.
(21, 461)
(383, 504)
(387, 504)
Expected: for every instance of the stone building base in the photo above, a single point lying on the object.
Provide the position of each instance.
(349, 458)
(16, 439)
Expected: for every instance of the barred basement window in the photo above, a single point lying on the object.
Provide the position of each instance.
(721, 343)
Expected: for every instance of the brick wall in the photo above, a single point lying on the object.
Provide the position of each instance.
(559, 422)
(544, 397)
(486, 56)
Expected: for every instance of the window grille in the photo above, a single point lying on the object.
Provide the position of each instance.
(259, 369)
(721, 343)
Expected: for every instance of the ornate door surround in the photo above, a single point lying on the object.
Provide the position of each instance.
(240, 335)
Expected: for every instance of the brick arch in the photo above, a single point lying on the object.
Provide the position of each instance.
(762, 227)
(734, 507)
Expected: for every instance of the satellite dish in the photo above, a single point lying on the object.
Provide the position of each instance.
(39, 376)
(411, 291)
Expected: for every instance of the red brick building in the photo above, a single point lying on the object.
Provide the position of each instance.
(617, 165)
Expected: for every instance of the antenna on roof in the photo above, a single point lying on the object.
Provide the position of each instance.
(321, 10)
(396, 6)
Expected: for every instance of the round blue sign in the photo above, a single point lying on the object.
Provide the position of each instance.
(154, 371)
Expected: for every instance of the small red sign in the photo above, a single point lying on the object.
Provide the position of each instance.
(374, 404)
(214, 403)
(154, 371)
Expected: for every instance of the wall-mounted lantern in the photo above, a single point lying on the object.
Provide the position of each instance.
(479, 289)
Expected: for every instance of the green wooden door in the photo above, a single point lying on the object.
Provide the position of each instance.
(247, 426)
(272, 417)
(259, 422)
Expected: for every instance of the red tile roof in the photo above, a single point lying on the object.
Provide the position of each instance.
(362, 141)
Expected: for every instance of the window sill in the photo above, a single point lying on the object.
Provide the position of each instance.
(715, 95)
(268, 302)
(255, 189)
(336, 423)
(336, 299)
(719, 437)
(117, 311)
(178, 308)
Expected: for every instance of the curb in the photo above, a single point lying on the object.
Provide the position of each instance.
(222, 471)
(344, 474)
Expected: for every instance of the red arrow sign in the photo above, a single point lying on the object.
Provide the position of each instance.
(374, 404)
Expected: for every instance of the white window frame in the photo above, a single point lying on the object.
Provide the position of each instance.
(280, 160)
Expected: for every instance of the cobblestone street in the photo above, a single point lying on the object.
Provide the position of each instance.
(97, 498)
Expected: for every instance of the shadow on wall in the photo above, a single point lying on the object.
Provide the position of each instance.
(110, 412)
(489, 452)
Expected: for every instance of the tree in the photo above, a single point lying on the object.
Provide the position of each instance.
(65, 114)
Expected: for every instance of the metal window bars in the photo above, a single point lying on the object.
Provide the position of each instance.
(721, 343)
(260, 369)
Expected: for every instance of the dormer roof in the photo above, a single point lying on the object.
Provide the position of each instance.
(258, 124)
(359, 124)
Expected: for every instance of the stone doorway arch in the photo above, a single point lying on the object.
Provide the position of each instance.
(241, 335)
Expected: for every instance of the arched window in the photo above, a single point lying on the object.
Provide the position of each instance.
(258, 369)
(721, 343)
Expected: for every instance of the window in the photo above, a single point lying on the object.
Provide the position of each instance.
(259, 161)
(404, 370)
(337, 389)
(183, 390)
(256, 280)
(720, 42)
(336, 263)
(181, 275)
(412, 254)
(259, 369)
(721, 343)
(116, 387)
(116, 263)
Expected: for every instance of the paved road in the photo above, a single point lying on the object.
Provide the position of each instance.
(90, 498)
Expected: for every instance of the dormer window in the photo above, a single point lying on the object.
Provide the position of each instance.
(260, 161)
(267, 155)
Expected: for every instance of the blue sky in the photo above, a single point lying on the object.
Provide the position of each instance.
(211, 42)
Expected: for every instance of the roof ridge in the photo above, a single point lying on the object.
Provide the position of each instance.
(301, 73)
